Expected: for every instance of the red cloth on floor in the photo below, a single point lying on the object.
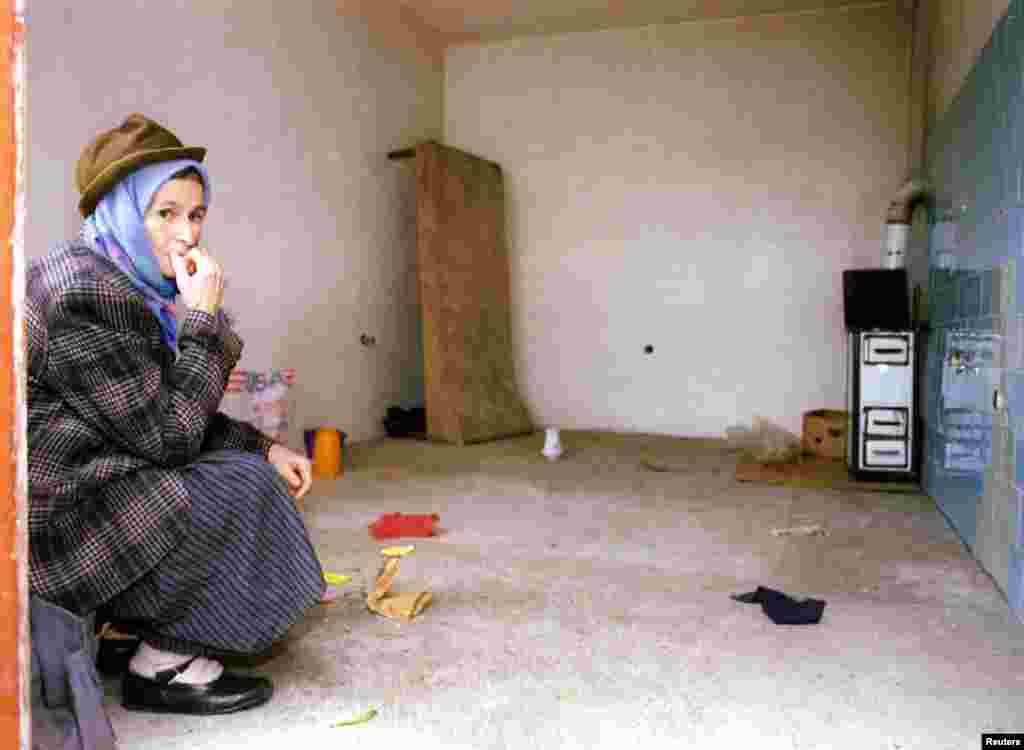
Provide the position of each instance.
(392, 525)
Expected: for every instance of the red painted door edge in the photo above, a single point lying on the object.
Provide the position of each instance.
(14, 724)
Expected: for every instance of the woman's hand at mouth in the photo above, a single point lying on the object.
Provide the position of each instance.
(200, 280)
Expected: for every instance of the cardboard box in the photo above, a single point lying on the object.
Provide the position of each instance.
(825, 433)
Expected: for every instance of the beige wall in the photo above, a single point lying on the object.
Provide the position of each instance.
(697, 187)
(298, 105)
(960, 29)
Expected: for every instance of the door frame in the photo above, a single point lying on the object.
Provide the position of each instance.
(15, 724)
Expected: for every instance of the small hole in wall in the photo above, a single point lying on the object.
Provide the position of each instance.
(648, 349)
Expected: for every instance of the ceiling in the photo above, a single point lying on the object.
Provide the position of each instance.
(463, 21)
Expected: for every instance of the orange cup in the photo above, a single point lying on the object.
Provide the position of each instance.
(328, 459)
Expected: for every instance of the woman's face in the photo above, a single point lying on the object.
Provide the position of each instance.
(174, 220)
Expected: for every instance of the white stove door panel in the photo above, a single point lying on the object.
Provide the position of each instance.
(886, 385)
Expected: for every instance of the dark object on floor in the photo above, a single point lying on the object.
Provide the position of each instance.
(655, 466)
(401, 422)
(393, 525)
(228, 693)
(114, 655)
(783, 609)
(67, 696)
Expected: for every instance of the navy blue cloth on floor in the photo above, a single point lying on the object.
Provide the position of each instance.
(782, 608)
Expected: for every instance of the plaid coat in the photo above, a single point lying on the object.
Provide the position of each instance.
(112, 416)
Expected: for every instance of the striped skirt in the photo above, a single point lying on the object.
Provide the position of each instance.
(244, 573)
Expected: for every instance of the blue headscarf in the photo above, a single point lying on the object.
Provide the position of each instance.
(117, 231)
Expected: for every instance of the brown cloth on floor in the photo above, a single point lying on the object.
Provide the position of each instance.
(397, 606)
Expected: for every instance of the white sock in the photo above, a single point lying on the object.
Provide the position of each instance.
(147, 661)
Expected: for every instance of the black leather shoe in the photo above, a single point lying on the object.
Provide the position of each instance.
(114, 655)
(225, 695)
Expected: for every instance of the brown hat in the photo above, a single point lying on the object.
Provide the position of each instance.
(116, 153)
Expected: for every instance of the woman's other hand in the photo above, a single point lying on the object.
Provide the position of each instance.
(296, 470)
(200, 280)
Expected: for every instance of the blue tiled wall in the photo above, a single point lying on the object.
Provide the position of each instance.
(975, 250)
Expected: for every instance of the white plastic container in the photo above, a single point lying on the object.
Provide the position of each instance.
(552, 444)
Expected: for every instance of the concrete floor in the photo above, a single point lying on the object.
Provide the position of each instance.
(585, 603)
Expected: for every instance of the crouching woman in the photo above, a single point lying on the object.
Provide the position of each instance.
(145, 502)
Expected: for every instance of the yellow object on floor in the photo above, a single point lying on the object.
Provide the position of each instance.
(813, 529)
(397, 551)
(361, 719)
(396, 606)
(336, 579)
